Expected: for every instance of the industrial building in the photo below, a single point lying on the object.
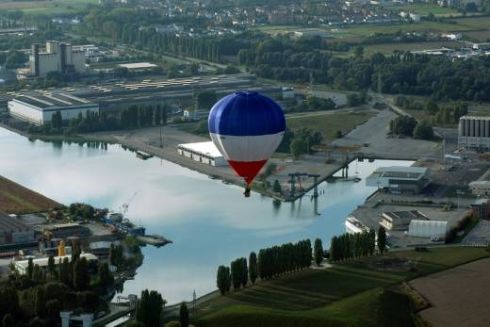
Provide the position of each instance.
(22, 265)
(65, 230)
(400, 179)
(57, 57)
(436, 230)
(204, 152)
(354, 226)
(480, 188)
(38, 108)
(474, 132)
(481, 208)
(400, 220)
(138, 66)
(14, 231)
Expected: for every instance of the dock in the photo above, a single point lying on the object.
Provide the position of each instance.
(155, 240)
(143, 155)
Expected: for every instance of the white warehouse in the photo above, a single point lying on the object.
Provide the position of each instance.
(205, 152)
(38, 109)
(428, 228)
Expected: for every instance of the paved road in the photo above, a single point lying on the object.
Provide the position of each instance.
(374, 134)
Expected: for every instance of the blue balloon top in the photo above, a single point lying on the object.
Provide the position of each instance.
(246, 114)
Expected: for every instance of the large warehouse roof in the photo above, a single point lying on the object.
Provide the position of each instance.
(50, 100)
(205, 148)
(11, 224)
(413, 173)
(138, 65)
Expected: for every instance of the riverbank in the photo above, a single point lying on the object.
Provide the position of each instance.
(17, 199)
(296, 177)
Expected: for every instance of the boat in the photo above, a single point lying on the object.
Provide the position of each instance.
(143, 155)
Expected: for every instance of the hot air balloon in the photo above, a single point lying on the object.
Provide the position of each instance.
(247, 128)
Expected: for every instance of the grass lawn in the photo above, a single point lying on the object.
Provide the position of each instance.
(344, 295)
(43, 7)
(328, 123)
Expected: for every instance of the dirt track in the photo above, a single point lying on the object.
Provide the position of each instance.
(459, 296)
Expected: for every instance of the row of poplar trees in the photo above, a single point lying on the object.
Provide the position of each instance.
(349, 246)
(271, 262)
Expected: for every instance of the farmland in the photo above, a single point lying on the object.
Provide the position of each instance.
(15, 198)
(343, 295)
(44, 7)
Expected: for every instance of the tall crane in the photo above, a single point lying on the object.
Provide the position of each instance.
(125, 205)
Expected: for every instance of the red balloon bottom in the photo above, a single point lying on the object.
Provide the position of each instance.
(247, 169)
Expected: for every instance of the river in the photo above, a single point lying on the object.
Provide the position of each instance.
(209, 222)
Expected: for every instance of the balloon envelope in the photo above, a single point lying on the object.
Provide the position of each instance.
(247, 128)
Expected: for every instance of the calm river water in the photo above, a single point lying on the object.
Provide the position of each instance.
(209, 222)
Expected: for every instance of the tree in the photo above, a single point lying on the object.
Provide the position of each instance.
(56, 120)
(184, 315)
(223, 279)
(252, 271)
(30, 268)
(298, 147)
(359, 51)
(39, 302)
(423, 131)
(81, 277)
(318, 251)
(236, 273)
(53, 308)
(403, 125)
(243, 272)
(205, 100)
(106, 279)
(8, 320)
(381, 239)
(276, 188)
(51, 266)
(149, 308)
(37, 274)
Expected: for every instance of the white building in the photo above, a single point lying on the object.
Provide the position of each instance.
(400, 179)
(414, 17)
(138, 66)
(474, 132)
(57, 57)
(22, 265)
(480, 188)
(39, 108)
(205, 152)
(354, 226)
(428, 228)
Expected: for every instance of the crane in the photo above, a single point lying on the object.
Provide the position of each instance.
(125, 205)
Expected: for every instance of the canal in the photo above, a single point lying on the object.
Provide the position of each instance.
(209, 222)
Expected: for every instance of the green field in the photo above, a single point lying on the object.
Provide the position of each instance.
(424, 9)
(328, 123)
(51, 8)
(472, 25)
(344, 295)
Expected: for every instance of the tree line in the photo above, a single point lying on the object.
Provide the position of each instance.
(270, 263)
(350, 246)
(36, 297)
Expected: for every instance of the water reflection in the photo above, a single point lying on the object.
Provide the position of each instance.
(210, 222)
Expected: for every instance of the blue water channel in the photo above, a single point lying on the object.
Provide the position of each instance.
(209, 222)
